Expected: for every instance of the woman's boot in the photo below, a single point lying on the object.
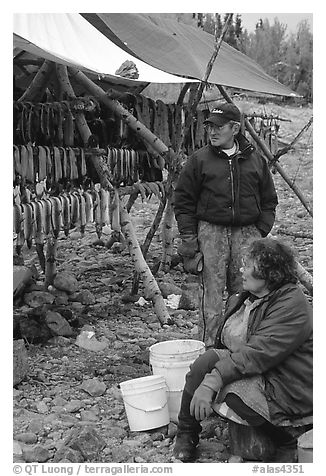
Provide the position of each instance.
(286, 444)
(188, 432)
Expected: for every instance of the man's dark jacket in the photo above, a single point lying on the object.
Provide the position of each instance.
(214, 188)
(279, 347)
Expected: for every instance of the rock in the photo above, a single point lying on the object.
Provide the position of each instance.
(123, 454)
(235, 459)
(38, 298)
(169, 288)
(73, 406)
(59, 340)
(88, 442)
(189, 297)
(65, 282)
(172, 430)
(85, 297)
(17, 450)
(68, 455)
(139, 459)
(38, 454)
(93, 387)
(42, 407)
(116, 432)
(88, 341)
(35, 426)
(58, 324)
(88, 415)
(20, 361)
(28, 438)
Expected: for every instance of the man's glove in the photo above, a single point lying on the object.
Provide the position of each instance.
(192, 257)
(188, 246)
(200, 405)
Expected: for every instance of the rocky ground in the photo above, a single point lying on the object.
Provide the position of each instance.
(69, 408)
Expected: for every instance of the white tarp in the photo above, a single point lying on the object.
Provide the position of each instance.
(70, 39)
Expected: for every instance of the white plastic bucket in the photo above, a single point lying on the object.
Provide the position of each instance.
(145, 401)
(305, 447)
(172, 360)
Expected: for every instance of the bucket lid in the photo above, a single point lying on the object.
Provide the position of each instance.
(305, 440)
(142, 381)
(177, 346)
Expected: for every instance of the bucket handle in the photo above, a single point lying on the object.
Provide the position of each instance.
(148, 410)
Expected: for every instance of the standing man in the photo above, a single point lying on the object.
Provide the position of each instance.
(225, 195)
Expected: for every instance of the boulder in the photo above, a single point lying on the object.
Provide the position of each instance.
(85, 297)
(27, 437)
(38, 298)
(58, 324)
(20, 361)
(189, 297)
(88, 341)
(66, 282)
(67, 454)
(86, 441)
(38, 454)
(93, 387)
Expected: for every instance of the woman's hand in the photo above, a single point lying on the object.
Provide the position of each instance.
(200, 405)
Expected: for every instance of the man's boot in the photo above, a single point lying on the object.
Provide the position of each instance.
(188, 432)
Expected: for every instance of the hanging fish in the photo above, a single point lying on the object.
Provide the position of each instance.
(47, 215)
(17, 164)
(38, 231)
(73, 164)
(57, 164)
(89, 207)
(97, 213)
(64, 163)
(115, 225)
(30, 164)
(82, 213)
(18, 218)
(23, 160)
(17, 200)
(56, 216)
(68, 134)
(28, 223)
(49, 167)
(66, 217)
(74, 209)
(104, 200)
(42, 163)
(19, 227)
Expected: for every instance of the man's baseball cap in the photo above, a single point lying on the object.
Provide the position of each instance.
(223, 113)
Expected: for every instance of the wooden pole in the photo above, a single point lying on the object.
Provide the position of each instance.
(147, 242)
(40, 80)
(202, 84)
(50, 263)
(270, 156)
(83, 128)
(151, 286)
(125, 115)
(290, 146)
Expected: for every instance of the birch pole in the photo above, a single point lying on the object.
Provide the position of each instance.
(152, 289)
(83, 128)
(39, 82)
(126, 225)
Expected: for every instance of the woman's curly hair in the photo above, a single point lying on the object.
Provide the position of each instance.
(274, 262)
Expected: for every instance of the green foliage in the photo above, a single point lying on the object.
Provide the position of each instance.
(288, 58)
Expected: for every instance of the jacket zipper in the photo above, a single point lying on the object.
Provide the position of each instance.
(232, 188)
